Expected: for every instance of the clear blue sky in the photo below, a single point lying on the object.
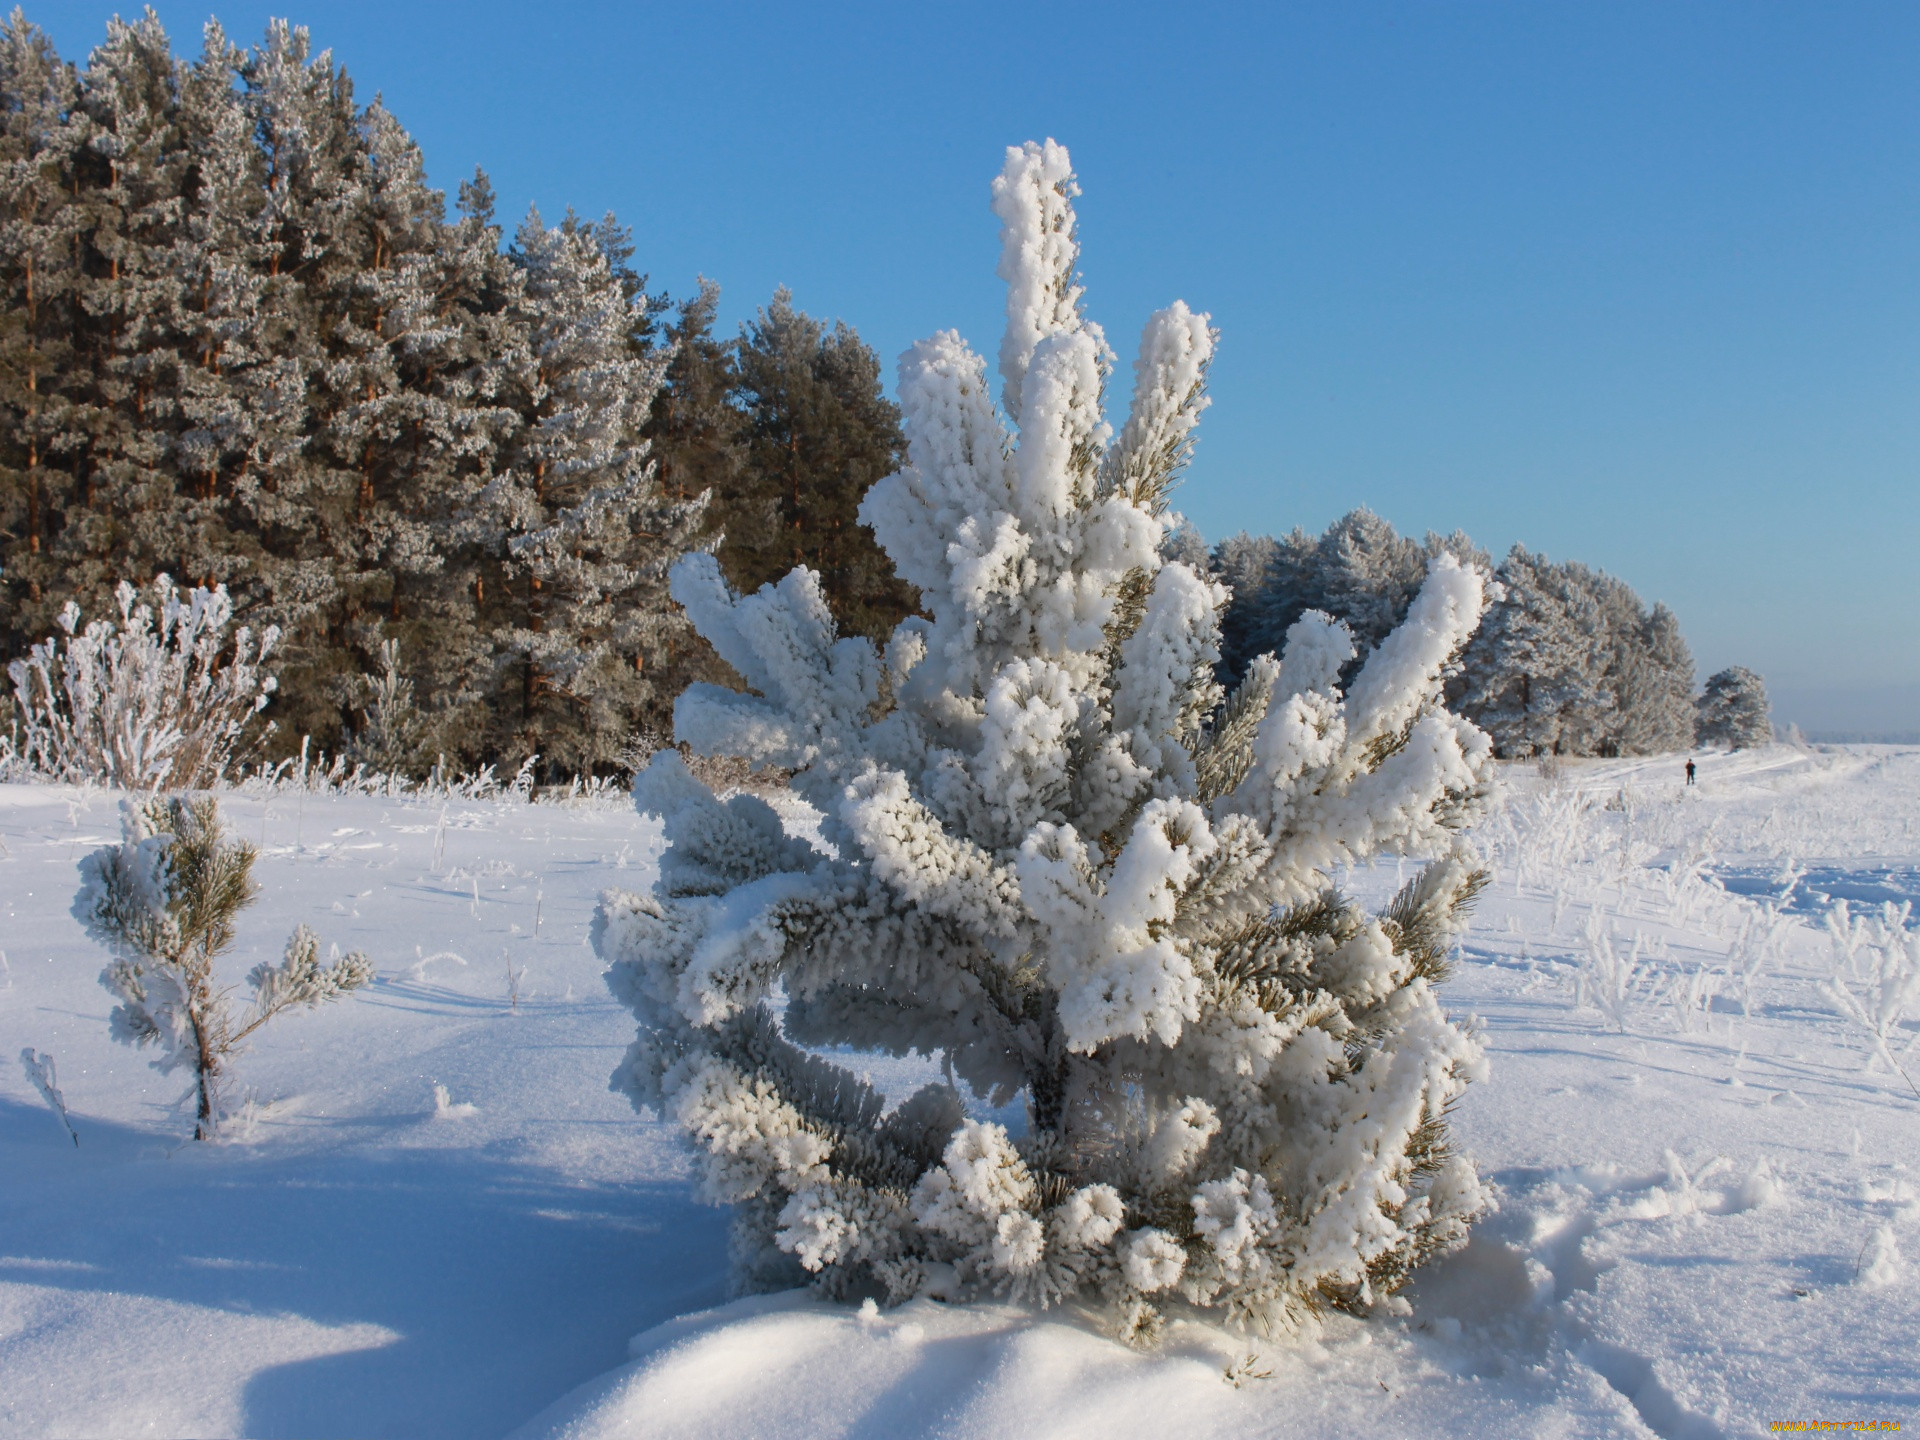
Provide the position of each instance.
(1637, 284)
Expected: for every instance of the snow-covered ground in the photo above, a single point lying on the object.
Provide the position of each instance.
(1710, 1204)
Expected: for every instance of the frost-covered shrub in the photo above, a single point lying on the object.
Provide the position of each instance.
(44, 1076)
(1608, 979)
(164, 902)
(1057, 858)
(162, 696)
(1732, 710)
(1876, 976)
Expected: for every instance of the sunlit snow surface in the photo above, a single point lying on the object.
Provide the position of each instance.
(1709, 1222)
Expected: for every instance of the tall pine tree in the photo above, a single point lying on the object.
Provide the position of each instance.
(581, 620)
(39, 281)
(819, 433)
(1733, 711)
(698, 433)
(1533, 677)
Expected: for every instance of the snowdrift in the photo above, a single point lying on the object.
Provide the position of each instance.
(1709, 1217)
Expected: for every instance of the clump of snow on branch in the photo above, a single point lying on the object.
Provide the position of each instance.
(162, 695)
(1053, 854)
(164, 901)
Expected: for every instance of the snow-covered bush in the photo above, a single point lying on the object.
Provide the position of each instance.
(1876, 976)
(1691, 995)
(164, 902)
(13, 765)
(1756, 944)
(1608, 977)
(1732, 710)
(1054, 856)
(163, 696)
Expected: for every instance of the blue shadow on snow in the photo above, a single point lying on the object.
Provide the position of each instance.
(506, 1286)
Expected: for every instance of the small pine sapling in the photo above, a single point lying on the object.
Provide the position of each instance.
(388, 739)
(164, 901)
(1056, 857)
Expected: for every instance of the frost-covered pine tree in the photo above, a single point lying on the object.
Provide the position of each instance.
(1733, 711)
(1367, 574)
(818, 432)
(1534, 675)
(164, 902)
(1360, 571)
(586, 530)
(1247, 565)
(1054, 857)
(40, 277)
(1649, 675)
(1186, 544)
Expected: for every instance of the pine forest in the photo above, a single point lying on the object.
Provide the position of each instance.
(450, 457)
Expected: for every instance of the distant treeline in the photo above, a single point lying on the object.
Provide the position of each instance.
(1568, 661)
(243, 343)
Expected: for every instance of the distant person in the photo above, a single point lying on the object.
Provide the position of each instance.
(1689, 771)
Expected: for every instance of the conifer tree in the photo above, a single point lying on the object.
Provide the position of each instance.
(410, 408)
(819, 433)
(1569, 661)
(1246, 564)
(697, 433)
(1366, 574)
(1658, 691)
(588, 534)
(1186, 545)
(1054, 856)
(445, 637)
(244, 346)
(344, 233)
(1532, 677)
(1732, 710)
(131, 520)
(241, 401)
(698, 439)
(390, 337)
(1648, 677)
(1360, 571)
(164, 901)
(39, 278)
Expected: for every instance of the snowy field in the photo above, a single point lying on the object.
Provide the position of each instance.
(1709, 1184)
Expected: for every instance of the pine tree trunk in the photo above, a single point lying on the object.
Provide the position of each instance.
(204, 1063)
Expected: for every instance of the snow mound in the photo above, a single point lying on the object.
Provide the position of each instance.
(788, 1366)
